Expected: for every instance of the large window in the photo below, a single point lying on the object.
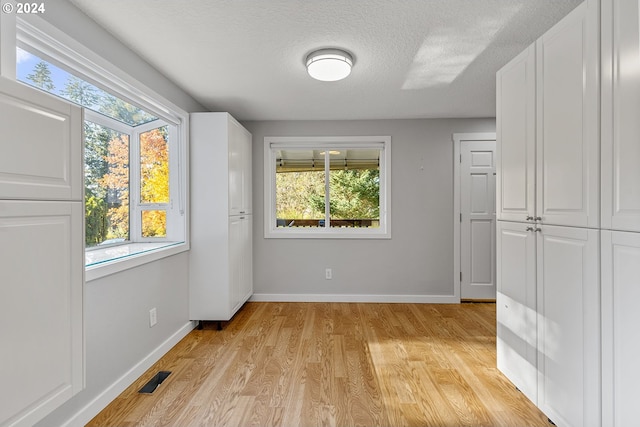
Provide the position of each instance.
(333, 187)
(134, 188)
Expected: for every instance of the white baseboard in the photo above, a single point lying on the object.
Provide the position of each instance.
(94, 407)
(422, 299)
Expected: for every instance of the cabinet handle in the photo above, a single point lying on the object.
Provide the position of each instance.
(537, 229)
(529, 218)
(529, 228)
(538, 218)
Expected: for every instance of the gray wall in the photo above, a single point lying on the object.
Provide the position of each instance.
(416, 261)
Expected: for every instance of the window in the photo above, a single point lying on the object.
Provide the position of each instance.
(327, 187)
(133, 178)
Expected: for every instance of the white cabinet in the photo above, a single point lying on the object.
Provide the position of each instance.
(620, 112)
(547, 126)
(568, 306)
(548, 208)
(41, 145)
(516, 306)
(239, 169)
(567, 135)
(515, 133)
(240, 259)
(41, 253)
(620, 320)
(620, 253)
(220, 261)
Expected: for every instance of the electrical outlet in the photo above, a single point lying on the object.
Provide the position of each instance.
(328, 274)
(153, 317)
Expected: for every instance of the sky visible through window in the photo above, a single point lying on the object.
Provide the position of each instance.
(53, 79)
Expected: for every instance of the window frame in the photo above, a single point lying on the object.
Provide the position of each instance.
(326, 143)
(40, 37)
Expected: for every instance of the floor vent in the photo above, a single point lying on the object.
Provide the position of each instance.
(154, 382)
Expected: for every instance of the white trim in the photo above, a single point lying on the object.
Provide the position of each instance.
(418, 299)
(383, 143)
(457, 138)
(93, 408)
(111, 267)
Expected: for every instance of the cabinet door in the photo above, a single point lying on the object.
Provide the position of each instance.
(246, 288)
(41, 265)
(516, 306)
(235, 262)
(620, 112)
(567, 145)
(569, 325)
(620, 320)
(239, 169)
(41, 145)
(515, 133)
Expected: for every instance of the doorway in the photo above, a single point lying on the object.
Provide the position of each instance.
(475, 216)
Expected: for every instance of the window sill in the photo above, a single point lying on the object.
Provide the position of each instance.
(339, 233)
(110, 260)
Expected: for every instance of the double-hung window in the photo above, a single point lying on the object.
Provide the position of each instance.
(327, 187)
(133, 177)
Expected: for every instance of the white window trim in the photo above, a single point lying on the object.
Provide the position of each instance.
(57, 47)
(339, 142)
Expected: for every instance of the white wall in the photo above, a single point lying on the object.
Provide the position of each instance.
(415, 265)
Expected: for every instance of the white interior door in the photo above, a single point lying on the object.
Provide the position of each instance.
(478, 220)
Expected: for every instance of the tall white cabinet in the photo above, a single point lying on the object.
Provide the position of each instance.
(41, 253)
(620, 211)
(220, 265)
(548, 303)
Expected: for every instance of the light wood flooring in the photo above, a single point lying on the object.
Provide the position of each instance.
(333, 364)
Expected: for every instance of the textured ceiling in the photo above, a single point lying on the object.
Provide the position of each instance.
(413, 58)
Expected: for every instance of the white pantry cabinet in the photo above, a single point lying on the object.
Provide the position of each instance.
(620, 256)
(620, 115)
(515, 138)
(548, 187)
(41, 253)
(220, 261)
(547, 126)
(567, 119)
(620, 320)
(516, 308)
(568, 306)
(41, 157)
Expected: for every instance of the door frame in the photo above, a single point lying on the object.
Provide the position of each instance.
(457, 138)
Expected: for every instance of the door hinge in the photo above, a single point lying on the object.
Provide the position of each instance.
(460, 158)
(460, 216)
(461, 276)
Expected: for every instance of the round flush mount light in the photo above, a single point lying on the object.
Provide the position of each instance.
(329, 65)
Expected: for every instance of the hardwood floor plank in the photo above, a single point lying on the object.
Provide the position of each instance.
(333, 364)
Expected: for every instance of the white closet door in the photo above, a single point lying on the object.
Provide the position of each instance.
(620, 320)
(42, 267)
(515, 137)
(567, 121)
(478, 220)
(569, 325)
(621, 110)
(41, 146)
(516, 306)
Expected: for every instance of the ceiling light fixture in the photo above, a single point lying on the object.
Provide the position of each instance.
(329, 65)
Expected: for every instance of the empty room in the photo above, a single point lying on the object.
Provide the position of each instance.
(319, 213)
